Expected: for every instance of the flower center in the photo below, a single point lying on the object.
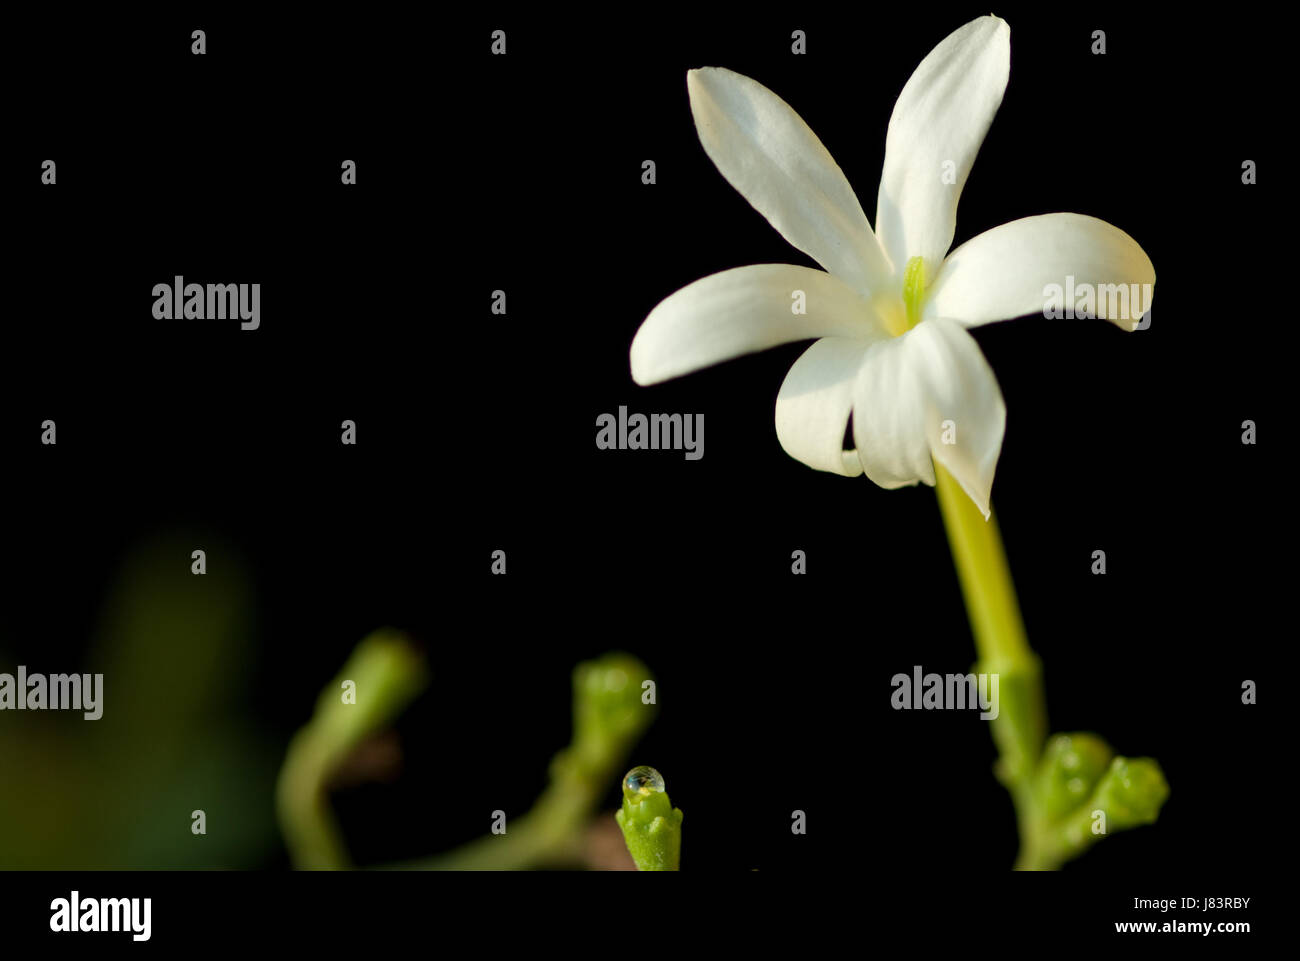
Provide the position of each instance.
(913, 290)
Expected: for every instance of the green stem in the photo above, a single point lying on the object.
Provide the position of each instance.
(385, 672)
(609, 717)
(1020, 729)
(549, 834)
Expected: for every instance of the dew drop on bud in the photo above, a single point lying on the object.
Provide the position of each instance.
(642, 781)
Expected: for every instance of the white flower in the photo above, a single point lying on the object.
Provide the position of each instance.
(891, 310)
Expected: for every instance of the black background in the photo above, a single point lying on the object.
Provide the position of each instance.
(476, 432)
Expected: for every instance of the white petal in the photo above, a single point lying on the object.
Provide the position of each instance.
(1028, 265)
(889, 416)
(965, 416)
(769, 154)
(813, 407)
(940, 119)
(929, 393)
(744, 310)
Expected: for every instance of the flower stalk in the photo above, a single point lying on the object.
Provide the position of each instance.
(1021, 726)
(1070, 791)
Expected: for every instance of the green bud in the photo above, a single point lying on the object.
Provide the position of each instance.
(1128, 793)
(608, 717)
(1069, 770)
(652, 827)
(1132, 792)
(385, 672)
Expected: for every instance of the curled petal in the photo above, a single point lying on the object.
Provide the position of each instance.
(965, 416)
(1042, 264)
(929, 393)
(889, 416)
(813, 407)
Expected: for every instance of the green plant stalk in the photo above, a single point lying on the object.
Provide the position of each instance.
(609, 717)
(388, 673)
(550, 833)
(1020, 729)
(1072, 790)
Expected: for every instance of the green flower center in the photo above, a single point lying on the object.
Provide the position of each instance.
(913, 290)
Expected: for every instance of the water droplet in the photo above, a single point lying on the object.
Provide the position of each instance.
(642, 781)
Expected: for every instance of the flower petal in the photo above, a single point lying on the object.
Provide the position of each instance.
(745, 310)
(1029, 265)
(813, 407)
(889, 416)
(929, 393)
(965, 416)
(941, 117)
(770, 155)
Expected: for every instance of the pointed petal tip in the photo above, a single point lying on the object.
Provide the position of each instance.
(638, 377)
(698, 77)
(694, 82)
(638, 362)
(996, 22)
(980, 494)
(991, 26)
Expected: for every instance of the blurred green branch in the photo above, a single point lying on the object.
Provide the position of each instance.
(387, 673)
(608, 719)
